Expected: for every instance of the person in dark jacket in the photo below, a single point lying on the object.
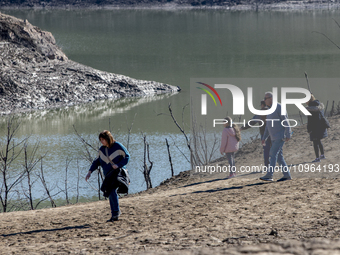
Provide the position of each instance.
(316, 129)
(112, 155)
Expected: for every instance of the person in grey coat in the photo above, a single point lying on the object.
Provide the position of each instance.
(279, 135)
(316, 128)
(266, 147)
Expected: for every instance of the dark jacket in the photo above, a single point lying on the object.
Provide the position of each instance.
(315, 126)
(116, 179)
(117, 153)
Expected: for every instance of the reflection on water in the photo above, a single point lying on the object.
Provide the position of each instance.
(61, 120)
(53, 129)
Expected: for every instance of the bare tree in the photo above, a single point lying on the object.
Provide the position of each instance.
(87, 146)
(129, 131)
(203, 145)
(180, 150)
(336, 45)
(188, 143)
(332, 112)
(117, 129)
(30, 162)
(100, 180)
(10, 150)
(87, 155)
(146, 168)
(301, 118)
(338, 109)
(326, 109)
(47, 189)
(66, 180)
(170, 160)
(77, 188)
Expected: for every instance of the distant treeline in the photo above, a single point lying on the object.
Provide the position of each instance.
(127, 3)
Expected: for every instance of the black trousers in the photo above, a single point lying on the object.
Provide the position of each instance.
(318, 146)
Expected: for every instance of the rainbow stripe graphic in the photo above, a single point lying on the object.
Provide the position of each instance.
(209, 93)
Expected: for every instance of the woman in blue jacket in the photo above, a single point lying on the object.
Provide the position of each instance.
(112, 155)
(316, 129)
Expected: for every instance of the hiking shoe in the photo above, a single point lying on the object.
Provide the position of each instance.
(116, 213)
(316, 160)
(112, 219)
(231, 175)
(268, 179)
(284, 179)
(322, 157)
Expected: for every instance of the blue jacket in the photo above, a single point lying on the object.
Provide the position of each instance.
(276, 131)
(118, 155)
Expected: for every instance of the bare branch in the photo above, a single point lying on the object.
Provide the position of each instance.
(183, 109)
(327, 38)
(170, 160)
(83, 140)
(147, 169)
(66, 181)
(43, 181)
(308, 83)
(180, 150)
(336, 23)
(129, 131)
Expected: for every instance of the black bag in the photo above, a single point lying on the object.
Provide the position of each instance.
(110, 182)
(324, 121)
(123, 179)
(116, 179)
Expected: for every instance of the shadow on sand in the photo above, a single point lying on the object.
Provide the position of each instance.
(47, 230)
(219, 189)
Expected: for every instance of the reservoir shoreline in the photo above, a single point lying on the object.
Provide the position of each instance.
(36, 74)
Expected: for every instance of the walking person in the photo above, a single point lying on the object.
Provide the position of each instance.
(112, 156)
(256, 120)
(316, 128)
(279, 134)
(231, 136)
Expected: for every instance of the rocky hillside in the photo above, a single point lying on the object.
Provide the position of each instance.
(115, 3)
(36, 74)
(170, 4)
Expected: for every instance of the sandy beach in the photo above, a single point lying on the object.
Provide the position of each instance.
(191, 214)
